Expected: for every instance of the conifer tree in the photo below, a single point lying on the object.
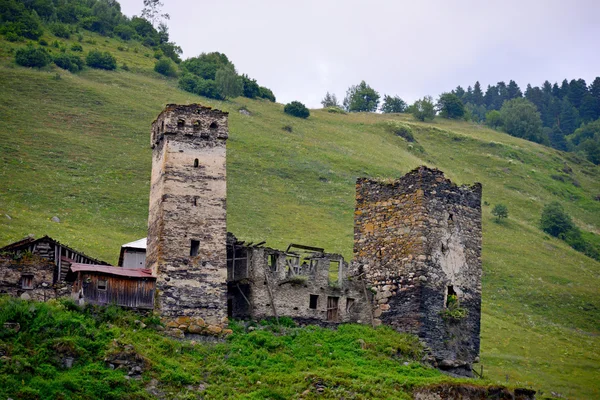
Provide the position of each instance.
(568, 117)
(477, 94)
(513, 90)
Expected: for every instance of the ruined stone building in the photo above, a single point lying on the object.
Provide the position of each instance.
(416, 264)
(417, 250)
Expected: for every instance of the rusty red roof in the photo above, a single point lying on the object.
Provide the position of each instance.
(106, 269)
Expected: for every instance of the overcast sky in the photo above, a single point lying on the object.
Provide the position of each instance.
(301, 49)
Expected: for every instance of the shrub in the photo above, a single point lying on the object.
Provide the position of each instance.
(287, 128)
(76, 47)
(32, 57)
(335, 110)
(70, 62)
(400, 129)
(61, 30)
(125, 32)
(266, 93)
(101, 60)
(165, 67)
(42, 42)
(555, 220)
(125, 67)
(296, 109)
(500, 211)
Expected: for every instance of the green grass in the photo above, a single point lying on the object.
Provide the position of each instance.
(78, 148)
(354, 361)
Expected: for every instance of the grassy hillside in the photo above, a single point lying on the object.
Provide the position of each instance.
(76, 146)
(256, 362)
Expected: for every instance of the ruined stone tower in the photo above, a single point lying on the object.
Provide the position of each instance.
(186, 247)
(418, 242)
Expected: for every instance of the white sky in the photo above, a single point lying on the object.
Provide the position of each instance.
(301, 49)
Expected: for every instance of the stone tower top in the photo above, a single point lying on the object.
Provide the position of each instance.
(189, 123)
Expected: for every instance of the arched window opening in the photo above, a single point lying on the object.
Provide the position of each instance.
(196, 163)
(196, 125)
(213, 125)
(180, 123)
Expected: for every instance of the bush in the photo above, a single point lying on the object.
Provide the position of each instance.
(101, 60)
(555, 221)
(335, 110)
(400, 129)
(296, 109)
(76, 47)
(61, 30)
(265, 93)
(165, 67)
(500, 211)
(32, 57)
(125, 32)
(69, 62)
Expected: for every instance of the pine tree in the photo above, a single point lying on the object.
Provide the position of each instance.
(564, 89)
(490, 96)
(460, 92)
(547, 87)
(502, 95)
(568, 118)
(468, 97)
(577, 91)
(477, 94)
(557, 138)
(513, 90)
(589, 109)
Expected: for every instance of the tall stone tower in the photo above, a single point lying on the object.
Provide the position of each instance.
(418, 242)
(187, 232)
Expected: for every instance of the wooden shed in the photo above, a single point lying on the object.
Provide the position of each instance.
(102, 284)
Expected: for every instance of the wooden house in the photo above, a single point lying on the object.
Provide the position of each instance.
(102, 284)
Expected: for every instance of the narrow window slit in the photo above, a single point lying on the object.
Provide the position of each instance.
(196, 163)
(194, 247)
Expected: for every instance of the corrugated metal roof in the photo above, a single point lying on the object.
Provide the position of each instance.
(138, 244)
(129, 272)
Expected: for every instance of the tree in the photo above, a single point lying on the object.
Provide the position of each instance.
(330, 100)
(569, 117)
(101, 60)
(477, 94)
(423, 110)
(251, 89)
(500, 211)
(521, 119)
(493, 119)
(555, 221)
(229, 83)
(557, 138)
(165, 67)
(513, 90)
(361, 97)
(393, 105)
(152, 11)
(296, 109)
(577, 91)
(450, 106)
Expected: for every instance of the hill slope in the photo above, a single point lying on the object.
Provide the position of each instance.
(77, 147)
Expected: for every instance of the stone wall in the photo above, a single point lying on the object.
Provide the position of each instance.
(187, 216)
(29, 277)
(262, 285)
(418, 239)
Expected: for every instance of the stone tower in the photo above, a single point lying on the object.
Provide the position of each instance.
(418, 242)
(187, 232)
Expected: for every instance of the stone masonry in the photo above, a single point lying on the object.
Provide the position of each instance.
(187, 218)
(312, 288)
(418, 241)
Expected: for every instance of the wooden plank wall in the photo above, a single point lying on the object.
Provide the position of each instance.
(122, 291)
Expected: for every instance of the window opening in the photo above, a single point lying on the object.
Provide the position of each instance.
(180, 123)
(273, 262)
(194, 247)
(195, 201)
(349, 304)
(27, 281)
(196, 125)
(451, 297)
(229, 308)
(450, 217)
(196, 163)
(102, 284)
(332, 308)
(444, 248)
(334, 271)
(213, 125)
(314, 300)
